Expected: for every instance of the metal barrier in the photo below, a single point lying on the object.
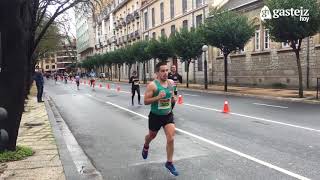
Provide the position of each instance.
(3, 133)
(318, 81)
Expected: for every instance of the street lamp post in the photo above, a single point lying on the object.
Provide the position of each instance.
(205, 49)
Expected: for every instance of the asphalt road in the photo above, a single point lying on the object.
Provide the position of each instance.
(259, 139)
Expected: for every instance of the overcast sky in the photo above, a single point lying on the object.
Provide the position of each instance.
(70, 15)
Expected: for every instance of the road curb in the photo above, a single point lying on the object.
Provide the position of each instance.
(302, 100)
(59, 127)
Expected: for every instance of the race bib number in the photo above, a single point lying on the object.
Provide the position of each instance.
(164, 104)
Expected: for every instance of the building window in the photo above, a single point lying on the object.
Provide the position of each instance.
(161, 13)
(184, 6)
(200, 63)
(185, 24)
(53, 66)
(287, 44)
(198, 3)
(152, 18)
(198, 20)
(47, 66)
(266, 39)
(257, 40)
(220, 53)
(146, 21)
(172, 9)
(163, 33)
(154, 35)
(173, 29)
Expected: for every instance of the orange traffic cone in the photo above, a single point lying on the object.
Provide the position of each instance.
(118, 88)
(108, 86)
(180, 99)
(226, 107)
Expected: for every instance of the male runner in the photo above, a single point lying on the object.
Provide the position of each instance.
(77, 81)
(177, 78)
(92, 79)
(159, 94)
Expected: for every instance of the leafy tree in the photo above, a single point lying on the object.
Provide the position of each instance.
(141, 54)
(291, 29)
(229, 32)
(160, 49)
(187, 45)
(49, 42)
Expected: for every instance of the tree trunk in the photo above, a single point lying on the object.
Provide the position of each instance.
(188, 64)
(111, 73)
(299, 73)
(15, 26)
(225, 72)
(138, 70)
(119, 73)
(129, 71)
(194, 72)
(144, 73)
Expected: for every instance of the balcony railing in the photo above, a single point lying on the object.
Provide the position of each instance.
(129, 38)
(137, 34)
(136, 14)
(124, 38)
(132, 36)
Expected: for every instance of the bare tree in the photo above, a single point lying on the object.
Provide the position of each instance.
(20, 20)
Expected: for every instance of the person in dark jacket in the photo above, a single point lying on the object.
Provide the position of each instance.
(38, 78)
(134, 80)
(177, 78)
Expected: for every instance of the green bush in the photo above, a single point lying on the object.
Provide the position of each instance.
(20, 153)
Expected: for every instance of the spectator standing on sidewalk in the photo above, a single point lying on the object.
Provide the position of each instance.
(38, 78)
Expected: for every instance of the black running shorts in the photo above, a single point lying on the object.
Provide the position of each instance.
(158, 121)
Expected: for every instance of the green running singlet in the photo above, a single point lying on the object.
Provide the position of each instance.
(163, 106)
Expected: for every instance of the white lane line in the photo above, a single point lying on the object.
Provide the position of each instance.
(259, 104)
(224, 147)
(251, 117)
(190, 94)
(257, 118)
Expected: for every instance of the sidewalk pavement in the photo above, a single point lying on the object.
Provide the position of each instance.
(265, 93)
(35, 132)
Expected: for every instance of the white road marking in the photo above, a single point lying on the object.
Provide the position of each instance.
(257, 118)
(189, 94)
(247, 116)
(224, 147)
(259, 104)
